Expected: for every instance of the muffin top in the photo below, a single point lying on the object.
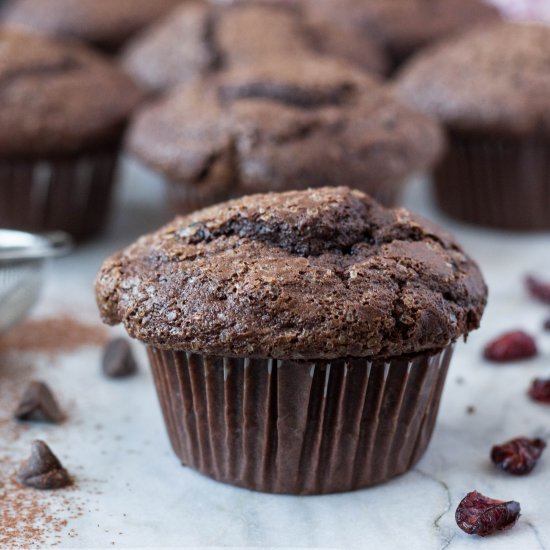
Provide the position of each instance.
(494, 79)
(58, 97)
(315, 274)
(201, 38)
(104, 23)
(404, 26)
(284, 124)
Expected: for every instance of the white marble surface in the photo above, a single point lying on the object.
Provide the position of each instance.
(134, 493)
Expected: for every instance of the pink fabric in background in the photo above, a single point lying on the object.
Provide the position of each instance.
(531, 10)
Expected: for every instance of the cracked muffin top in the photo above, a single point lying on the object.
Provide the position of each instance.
(285, 124)
(58, 97)
(103, 23)
(493, 79)
(405, 26)
(201, 38)
(315, 274)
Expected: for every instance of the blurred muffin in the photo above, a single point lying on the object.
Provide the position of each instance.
(491, 89)
(404, 26)
(200, 38)
(299, 341)
(105, 24)
(285, 123)
(62, 115)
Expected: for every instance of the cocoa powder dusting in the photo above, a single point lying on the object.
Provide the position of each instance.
(30, 518)
(52, 335)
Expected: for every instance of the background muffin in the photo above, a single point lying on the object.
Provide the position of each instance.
(299, 341)
(287, 123)
(404, 26)
(62, 115)
(491, 88)
(201, 38)
(106, 24)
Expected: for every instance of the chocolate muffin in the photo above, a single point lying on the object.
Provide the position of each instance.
(105, 24)
(284, 123)
(404, 26)
(201, 38)
(491, 89)
(62, 115)
(299, 341)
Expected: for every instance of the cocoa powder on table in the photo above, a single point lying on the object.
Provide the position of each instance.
(51, 335)
(29, 518)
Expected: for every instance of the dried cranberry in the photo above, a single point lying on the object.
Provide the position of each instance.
(538, 289)
(540, 390)
(511, 346)
(480, 515)
(546, 324)
(518, 456)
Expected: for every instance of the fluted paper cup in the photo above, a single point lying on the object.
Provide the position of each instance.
(299, 427)
(71, 193)
(494, 181)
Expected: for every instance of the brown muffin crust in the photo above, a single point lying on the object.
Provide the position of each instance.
(404, 26)
(103, 23)
(201, 38)
(318, 274)
(285, 124)
(495, 79)
(58, 97)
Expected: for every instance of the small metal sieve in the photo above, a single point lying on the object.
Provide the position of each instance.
(22, 260)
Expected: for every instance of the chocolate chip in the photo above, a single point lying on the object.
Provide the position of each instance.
(118, 359)
(43, 469)
(39, 404)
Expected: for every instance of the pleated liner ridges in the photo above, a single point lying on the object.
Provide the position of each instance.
(299, 428)
(72, 194)
(496, 181)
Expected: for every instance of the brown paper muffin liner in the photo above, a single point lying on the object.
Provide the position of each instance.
(299, 427)
(71, 194)
(501, 182)
(184, 199)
